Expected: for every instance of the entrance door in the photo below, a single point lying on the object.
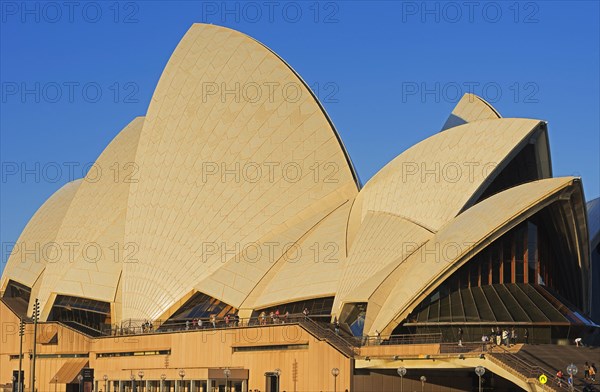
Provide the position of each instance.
(72, 388)
(272, 383)
(234, 386)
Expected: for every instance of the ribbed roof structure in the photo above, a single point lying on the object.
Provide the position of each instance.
(236, 185)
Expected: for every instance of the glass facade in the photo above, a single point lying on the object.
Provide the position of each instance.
(17, 290)
(86, 315)
(525, 254)
(169, 385)
(201, 306)
(316, 307)
(353, 315)
(17, 297)
(533, 275)
(524, 277)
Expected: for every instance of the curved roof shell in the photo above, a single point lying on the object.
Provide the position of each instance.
(26, 262)
(234, 147)
(94, 225)
(383, 241)
(469, 109)
(455, 244)
(593, 211)
(236, 184)
(432, 182)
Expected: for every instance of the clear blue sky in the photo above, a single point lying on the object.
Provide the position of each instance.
(530, 59)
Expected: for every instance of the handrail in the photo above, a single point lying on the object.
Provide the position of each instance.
(138, 327)
(424, 338)
(310, 323)
(318, 325)
(333, 338)
(74, 325)
(464, 348)
(529, 370)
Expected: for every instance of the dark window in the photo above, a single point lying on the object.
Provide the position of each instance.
(201, 306)
(316, 307)
(519, 245)
(532, 273)
(507, 251)
(17, 297)
(353, 315)
(485, 267)
(84, 314)
(17, 290)
(474, 273)
(133, 353)
(278, 347)
(521, 169)
(496, 262)
(84, 304)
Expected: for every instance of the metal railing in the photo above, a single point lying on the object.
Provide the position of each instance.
(318, 325)
(138, 327)
(527, 370)
(321, 331)
(470, 348)
(375, 340)
(87, 329)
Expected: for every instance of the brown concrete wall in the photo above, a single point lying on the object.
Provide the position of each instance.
(69, 342)
(437, 381)
(402, 350)
(301, 369)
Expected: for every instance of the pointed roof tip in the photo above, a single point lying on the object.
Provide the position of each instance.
(490, 106)
(302, 82)
(199, 25)
(470, 108)
(474, 97)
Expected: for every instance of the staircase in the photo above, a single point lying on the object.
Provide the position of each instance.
(555, 357)
(534, 360)
(85, 329)
(326, 334)
(17, 305)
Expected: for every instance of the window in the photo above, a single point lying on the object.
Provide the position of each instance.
(316, 307)
(532, 263)
(496, 263)
(271, 348)
(485, 267)
(201, 306)
(133, 353)
(520, 239)
(507, 254)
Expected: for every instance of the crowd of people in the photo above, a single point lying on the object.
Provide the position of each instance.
(147, 326)
(589, 375)
(213, 321)
(504, 337)
(274, 317)
(228, 321)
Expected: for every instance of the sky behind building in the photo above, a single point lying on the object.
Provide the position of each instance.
(73, 74)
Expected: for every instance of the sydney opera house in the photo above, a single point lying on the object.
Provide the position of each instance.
(236, 249)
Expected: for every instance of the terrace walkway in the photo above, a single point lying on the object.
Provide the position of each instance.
(521, 363)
